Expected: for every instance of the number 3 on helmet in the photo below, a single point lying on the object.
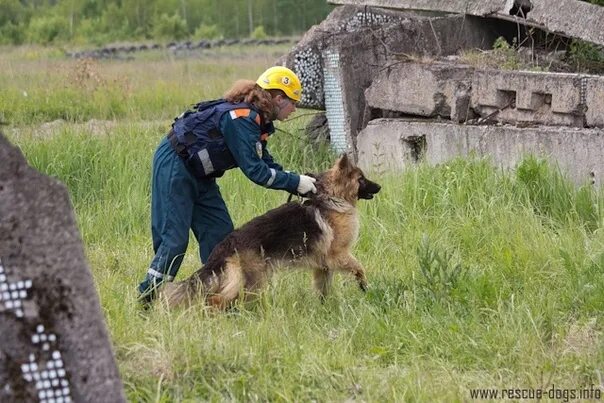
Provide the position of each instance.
(281, 78)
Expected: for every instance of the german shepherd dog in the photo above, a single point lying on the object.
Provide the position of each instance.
(318, 234)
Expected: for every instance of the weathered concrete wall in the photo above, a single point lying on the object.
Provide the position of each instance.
(395, 144)
(422, 89)
(55, 347)
(571, 18)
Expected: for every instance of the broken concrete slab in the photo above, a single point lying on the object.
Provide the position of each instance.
(594, 101)
(470, 7)
(458, 92)
(55, 346)
(555, 99)
(421, 89)
(394, 144)
(572, 18)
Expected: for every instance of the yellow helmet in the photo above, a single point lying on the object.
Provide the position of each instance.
(281, 78)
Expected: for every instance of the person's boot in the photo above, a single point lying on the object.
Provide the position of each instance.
(148, 291)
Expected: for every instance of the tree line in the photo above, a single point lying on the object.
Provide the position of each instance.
(104, 21)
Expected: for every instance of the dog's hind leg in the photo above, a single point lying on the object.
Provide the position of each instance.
(349, 264)
(322, 278)
(231, 284)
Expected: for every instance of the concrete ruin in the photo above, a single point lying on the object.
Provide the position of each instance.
(571, 18)
(55, 347)
(391, 78)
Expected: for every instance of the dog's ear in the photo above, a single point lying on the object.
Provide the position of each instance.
(344, 163)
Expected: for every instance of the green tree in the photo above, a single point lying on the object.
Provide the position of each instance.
(170, 27)
(207, 32)
(48, 29)
(13, 16)
(258, 33)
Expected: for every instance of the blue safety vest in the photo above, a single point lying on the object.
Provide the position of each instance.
(199, 140)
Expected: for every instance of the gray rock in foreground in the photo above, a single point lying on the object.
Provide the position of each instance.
(55, 347)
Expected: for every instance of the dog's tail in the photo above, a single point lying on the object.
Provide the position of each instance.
(178, 294)
(196, 288)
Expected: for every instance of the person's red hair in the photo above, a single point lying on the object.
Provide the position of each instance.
(250, 92)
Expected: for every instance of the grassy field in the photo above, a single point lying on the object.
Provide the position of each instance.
(478, 278)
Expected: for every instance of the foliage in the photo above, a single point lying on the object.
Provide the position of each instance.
(83, 21)
(170, 27)
(258, 33)
(554, 197)
(207, 32)
(506, 54)
(439, 275)
(11, 34)
(13, 17)
(13, 12)
(45, 30)
(586, 56)
(502, 56)
(113, 21)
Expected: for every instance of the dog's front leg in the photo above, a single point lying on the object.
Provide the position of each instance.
(349, 264)
(322, 279)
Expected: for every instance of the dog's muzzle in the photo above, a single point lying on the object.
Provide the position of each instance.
(367, 189)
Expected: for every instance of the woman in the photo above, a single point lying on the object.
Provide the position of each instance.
(204, 143)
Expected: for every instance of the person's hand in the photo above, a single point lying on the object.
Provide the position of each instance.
(306, 185)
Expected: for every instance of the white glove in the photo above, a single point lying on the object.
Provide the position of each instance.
(307, 184)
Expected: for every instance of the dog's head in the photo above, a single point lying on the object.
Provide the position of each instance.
(347, 181)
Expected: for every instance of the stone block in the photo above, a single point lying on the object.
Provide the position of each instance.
(423, 89)
(394, 144)
(594, 101)
(55, 346)
(528, 97)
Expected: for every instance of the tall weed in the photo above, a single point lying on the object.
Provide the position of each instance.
(555, 198)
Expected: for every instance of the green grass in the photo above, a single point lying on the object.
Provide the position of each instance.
(39, 85)
(478, 278)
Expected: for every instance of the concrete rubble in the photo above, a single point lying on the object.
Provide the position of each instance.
(391, 78)
(55, 347)
(460, 92)
(337, 59)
